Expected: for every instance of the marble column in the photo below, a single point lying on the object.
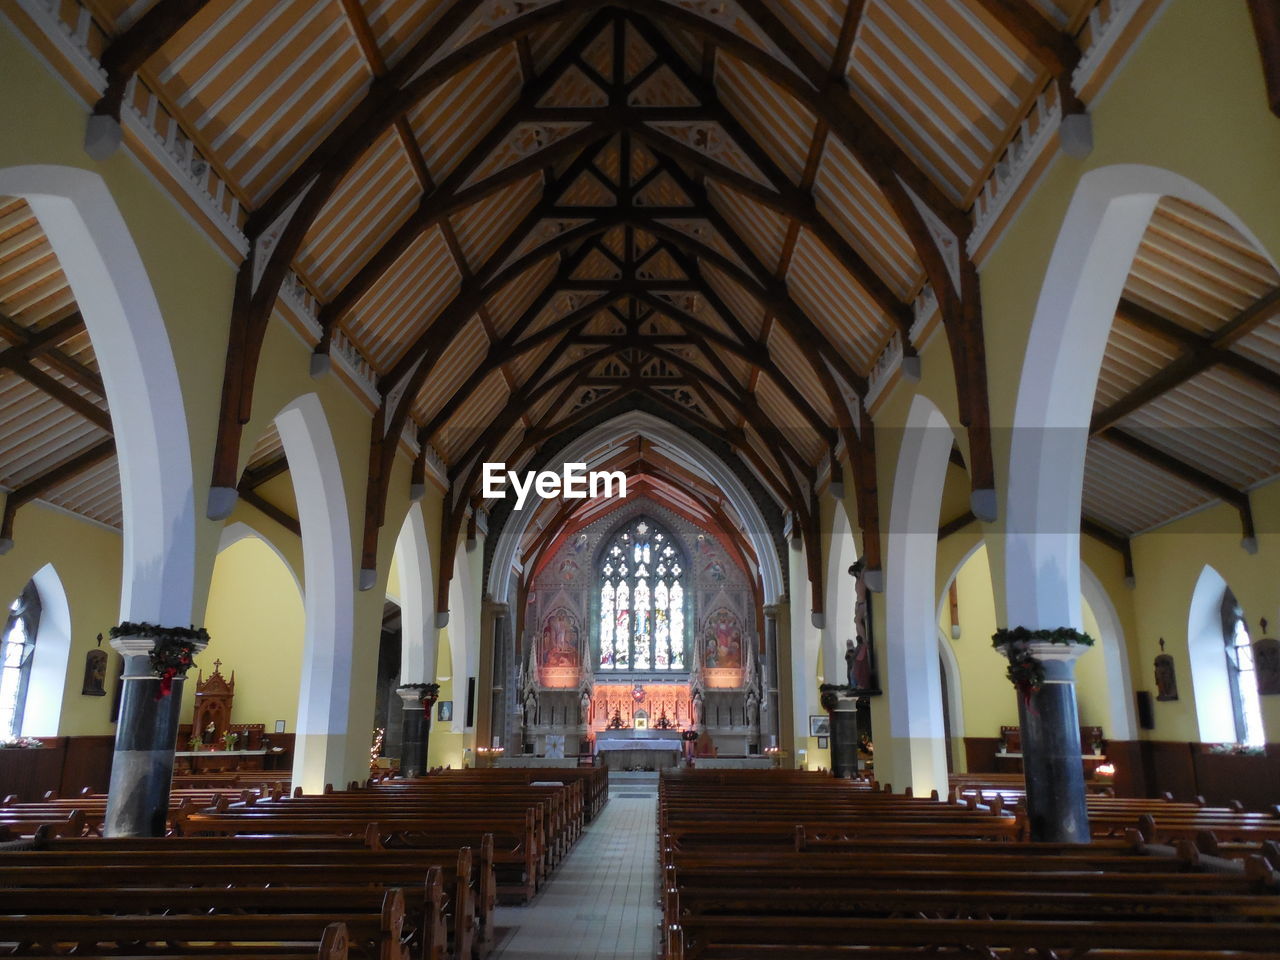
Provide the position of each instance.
(771, 707)
(146, 734)
(843, 711)
(1050, 733)
(418, 699)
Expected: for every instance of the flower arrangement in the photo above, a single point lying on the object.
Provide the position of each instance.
(1025, 671)
(1236, 749)
(21, 743)
(194, 742)
(229, 740)
(173, 651)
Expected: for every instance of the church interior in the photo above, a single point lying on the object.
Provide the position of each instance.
(919, 588)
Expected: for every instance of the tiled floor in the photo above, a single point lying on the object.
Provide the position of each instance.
(601, 903)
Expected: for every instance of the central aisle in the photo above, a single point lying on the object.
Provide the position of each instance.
(601, 903)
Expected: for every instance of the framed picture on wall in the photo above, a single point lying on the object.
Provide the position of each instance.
(822, 743)
(444, 711)
(819, 725)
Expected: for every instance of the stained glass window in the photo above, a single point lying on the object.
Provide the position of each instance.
(641, 600)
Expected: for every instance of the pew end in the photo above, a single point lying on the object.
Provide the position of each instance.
(333, 943)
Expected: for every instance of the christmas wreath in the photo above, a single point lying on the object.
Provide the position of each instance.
(172, 654)
(1025, 671)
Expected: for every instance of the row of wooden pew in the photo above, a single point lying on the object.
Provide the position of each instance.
(1164, 820)
(394, 870)
(780, 863)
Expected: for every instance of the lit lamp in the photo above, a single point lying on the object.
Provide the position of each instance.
(1105, 770)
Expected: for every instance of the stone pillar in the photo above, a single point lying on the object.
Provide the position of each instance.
(418, 699)
(770, 733)
(1050, 731)
(843, 711)
(146, 735)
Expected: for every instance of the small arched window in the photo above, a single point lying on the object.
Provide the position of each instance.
(17, 647)
(642, 624)
(1241, 674)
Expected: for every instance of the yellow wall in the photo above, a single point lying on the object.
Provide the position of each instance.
(989, 700)
(256, 623)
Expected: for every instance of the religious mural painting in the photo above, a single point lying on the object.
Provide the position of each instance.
(558, 649)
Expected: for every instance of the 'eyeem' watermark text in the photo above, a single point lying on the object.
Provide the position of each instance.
(572, 483)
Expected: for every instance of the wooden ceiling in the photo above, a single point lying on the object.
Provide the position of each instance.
(515, 213)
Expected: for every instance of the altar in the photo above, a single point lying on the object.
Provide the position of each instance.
(648, 749)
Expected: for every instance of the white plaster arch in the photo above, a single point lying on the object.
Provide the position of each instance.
(699, 456)
(918, 757)
(841, 599)
(329, 597)
(1115, 655)
(955, 572)
(113, 292)
(238, 530)
(51, 661)
(464, 636)
(1095, 248)
(419, 637)
(1206, 649)
(955, 687)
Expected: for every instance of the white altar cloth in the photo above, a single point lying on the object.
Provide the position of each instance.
(671, 746)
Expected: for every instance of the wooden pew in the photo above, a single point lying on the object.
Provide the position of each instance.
(456, 893)
(375, 934)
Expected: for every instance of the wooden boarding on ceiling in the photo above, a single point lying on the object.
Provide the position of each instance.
(57, 444)
(427, 176)
(1188, 401)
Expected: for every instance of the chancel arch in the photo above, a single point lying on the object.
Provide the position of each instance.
(641, 617)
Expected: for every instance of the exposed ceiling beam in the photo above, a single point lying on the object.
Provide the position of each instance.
(1208, 349)
(29, 344)
(126, 54)
(1057, 52)
(1266, 27)
(49, 480)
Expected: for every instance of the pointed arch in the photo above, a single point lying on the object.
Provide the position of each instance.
(696, 453)
(328, 601)
(1092, 257)
(131, 344)
(419, 637)
(1115, 655)
(915, 695)
(51, 659)
(238, 530)
(1210, 683)
(842, 597)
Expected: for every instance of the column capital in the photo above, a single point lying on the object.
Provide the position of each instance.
(496, 609)
(135, 645)
(418, 694)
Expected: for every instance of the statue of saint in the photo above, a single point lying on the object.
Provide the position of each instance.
(1166, 676)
